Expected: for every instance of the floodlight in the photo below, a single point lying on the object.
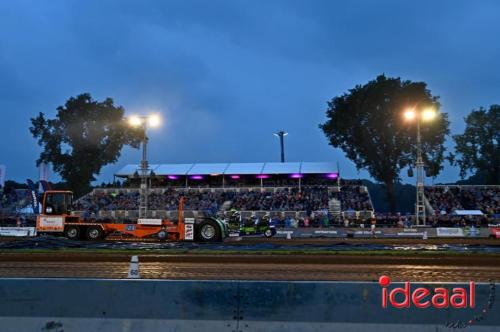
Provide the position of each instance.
(410, 114)
(154, 120)
(135, 121)
(428, 114)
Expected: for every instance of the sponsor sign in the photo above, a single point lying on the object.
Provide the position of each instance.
(48, 224)
(442, 297)
(325, 232)
(189, 231)
(189, 220)
(17, 231)
(472, 231)
(366, 232)
(145, 221)
(284, 232)
(449, 232)
(423, 297)
(410, 234)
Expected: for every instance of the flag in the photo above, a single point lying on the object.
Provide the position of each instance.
(2, 175)
(43, 171)
(34, 196)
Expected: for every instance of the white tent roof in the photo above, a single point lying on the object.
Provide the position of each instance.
(318, 168)
(468, 212)
(131, 169)
(173, 169)
(200, 169)
(281, 168)
(234, 168)
(244, 168)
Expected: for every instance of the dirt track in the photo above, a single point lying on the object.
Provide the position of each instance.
(369, 240)
(321, 241)
(255, 267)
(258, 265)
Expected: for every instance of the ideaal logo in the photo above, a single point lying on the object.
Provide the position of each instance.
(439, 297)
(423, 298)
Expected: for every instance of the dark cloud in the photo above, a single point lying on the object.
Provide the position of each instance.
(226, 74)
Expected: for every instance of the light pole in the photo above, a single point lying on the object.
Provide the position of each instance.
(281, 135)
(144, 121)
(427, 114)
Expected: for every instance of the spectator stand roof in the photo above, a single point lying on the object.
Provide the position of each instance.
(468, 212)
(234, 168)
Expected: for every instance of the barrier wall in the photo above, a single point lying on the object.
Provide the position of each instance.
(383, 232)
(162, 305)
(17, 231)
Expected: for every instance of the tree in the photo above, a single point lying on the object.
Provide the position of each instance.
(367, 124)
(85, 136)
(478, 147)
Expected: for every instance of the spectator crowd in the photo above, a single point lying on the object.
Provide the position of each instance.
(307, 199)
(446, 199)
(353, 197)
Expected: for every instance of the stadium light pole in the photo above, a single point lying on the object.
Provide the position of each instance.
(281, 135)
(427, 114)
(144, 121)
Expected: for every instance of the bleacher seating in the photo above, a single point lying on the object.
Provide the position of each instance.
(446, 199)
(286, 201)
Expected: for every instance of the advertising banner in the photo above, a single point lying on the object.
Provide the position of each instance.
(450, 232)
(17, 231)
(51, 224)
(147, 221)
(496, 232)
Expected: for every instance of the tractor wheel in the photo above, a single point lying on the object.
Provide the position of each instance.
(94, 233)
(72, 232)
(208, 231)
(162, 235)
(270, 232)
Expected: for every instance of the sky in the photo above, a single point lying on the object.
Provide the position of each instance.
(225, 75)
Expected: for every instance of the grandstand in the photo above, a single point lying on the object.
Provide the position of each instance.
(13, 200)
(302, 191)
(15, 203)
(296, 190)
(447, 199)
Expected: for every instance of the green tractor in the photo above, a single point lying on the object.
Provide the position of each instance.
(252, 225)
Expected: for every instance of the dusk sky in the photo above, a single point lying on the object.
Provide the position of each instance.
(226, 74)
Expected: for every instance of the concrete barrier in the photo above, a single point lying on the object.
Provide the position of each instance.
(164, 305)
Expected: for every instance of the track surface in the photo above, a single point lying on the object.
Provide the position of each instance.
(255, 267)
(259, 244)
(219, 261)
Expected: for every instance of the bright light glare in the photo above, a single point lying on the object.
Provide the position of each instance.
(428, 114)
(410, 114)
(135, 121)
(154, 120)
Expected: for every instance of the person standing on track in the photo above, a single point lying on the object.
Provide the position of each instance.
(373, 225)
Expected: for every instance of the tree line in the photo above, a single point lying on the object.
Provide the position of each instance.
(366, 123)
